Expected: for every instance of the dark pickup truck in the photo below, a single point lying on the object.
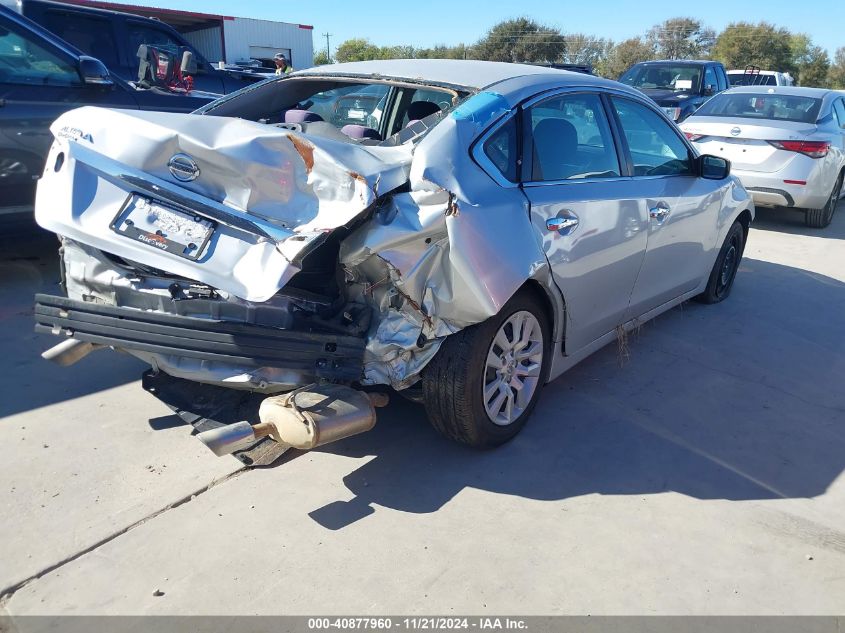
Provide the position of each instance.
(678, 86)
(41, 77)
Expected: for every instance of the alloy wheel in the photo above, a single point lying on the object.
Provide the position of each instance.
(513, 366)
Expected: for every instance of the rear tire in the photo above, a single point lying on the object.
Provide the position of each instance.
(821, 218)
(724, 270)
(498, 365)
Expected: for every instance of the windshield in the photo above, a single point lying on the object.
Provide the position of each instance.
(679, 78)
(775, 107)
(367, 111)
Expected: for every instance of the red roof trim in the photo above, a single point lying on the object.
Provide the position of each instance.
(128, 8)
(306, 26)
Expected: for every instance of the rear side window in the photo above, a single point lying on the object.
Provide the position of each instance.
(92, 35)
(501, 148)
(656, 149)
(839, 112)
(763, 105)
(24, 61)
(571, 139)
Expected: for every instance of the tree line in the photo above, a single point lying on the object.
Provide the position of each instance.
(523, 39)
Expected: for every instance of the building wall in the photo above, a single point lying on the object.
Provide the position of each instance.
(207, 42)
(243, 33)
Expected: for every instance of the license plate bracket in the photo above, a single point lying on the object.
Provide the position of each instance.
(163, 227)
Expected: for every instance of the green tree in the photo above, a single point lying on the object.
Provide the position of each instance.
(681, 38)
(836, 73)
(356, 50)
(520, 40)
(624, 55)
(321, 58)
(742, 44)
(811, 62)
(586, 49)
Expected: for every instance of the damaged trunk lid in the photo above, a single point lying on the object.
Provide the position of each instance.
(227, 202)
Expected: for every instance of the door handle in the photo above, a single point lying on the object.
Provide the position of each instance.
(659, 212)
(565, 223)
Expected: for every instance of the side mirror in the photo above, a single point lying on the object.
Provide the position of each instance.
(189, 64)
(713, 167)
(709, 91)
(94, 72)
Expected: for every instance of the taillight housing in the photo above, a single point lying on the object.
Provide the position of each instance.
(694, 137)
(813, 149)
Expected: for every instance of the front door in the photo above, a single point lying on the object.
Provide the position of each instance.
(589, 216)
(682, 209)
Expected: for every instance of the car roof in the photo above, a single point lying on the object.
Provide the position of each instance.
(795, 91)
(93, 10)
(469, 74)
(674, 62)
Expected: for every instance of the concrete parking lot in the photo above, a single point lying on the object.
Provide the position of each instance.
(701, 474)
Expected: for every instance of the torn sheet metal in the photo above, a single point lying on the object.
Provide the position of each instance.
(445, 247)
(271, 191)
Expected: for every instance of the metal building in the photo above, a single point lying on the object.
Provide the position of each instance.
(227, 38)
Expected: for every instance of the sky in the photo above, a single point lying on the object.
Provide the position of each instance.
(432, 22)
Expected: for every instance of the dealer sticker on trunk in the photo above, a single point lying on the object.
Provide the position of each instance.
(163, 228)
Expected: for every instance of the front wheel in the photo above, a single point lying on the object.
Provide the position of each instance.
(485, 380)
(722, 276)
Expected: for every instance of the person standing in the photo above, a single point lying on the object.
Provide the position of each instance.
(283, 67)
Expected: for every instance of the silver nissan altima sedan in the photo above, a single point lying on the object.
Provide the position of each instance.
(461, 231)
(786, 144)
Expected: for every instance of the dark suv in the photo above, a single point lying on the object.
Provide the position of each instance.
(678, 86)
(42, 77)
(113, 37)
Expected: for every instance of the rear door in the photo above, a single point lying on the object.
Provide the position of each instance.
(38, 81)
(587, 211)
(682, 209)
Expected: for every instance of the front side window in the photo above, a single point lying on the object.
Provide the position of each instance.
(656, 149)
(92, 35)
(710, 79)
(24, 61)
(571, 139)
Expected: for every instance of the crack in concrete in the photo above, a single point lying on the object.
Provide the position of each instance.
(6, 593)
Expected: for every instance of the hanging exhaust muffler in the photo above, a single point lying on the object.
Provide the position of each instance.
(305, 418)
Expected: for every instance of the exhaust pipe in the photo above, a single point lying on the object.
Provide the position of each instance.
(69, 351)
(305, 418)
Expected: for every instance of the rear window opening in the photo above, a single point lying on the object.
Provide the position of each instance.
(370, 112)
(775, 107)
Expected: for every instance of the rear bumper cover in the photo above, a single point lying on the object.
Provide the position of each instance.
(326, 356)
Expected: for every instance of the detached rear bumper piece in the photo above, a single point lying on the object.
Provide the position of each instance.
(326, 356)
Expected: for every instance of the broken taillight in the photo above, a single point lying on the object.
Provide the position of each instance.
(813, 149)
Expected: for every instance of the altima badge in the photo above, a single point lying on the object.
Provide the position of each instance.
(183, 167)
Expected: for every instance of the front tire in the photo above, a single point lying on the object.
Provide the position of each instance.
(485, 380)
(724, 270)
(821, 218)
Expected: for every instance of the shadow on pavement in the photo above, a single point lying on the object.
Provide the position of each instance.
(29, 264)
(790, 221)
(741, 400)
